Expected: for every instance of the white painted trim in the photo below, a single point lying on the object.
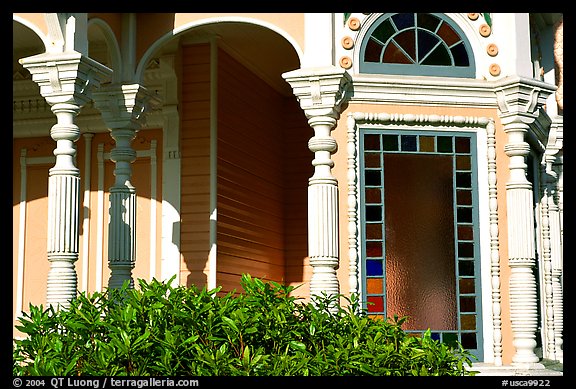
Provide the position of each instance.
(153, 195)
(489, 244)
(86, 218)
(24, 163)
(112, 44)
(171, 257)
(318, 40)
(21, 236)
(100, 222)
(422, 90)
(212, 256)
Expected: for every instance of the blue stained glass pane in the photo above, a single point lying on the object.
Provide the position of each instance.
(460, 55)
(426, 42)
(403, 20)
(435, 335)
(374, 268)
(408, 142)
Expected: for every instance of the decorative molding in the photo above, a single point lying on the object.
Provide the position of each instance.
(494, 244)
(417, 90)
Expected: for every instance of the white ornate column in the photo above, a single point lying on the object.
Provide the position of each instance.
(122, 108)
(519, 102)
(320, 92)
(65, 81)
(553, 158)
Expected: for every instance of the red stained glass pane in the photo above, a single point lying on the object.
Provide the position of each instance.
(448, 35)
(464, 197)
(465, 233)
(463, 145)
(407, 41)
(467, 304)
(374, 249)
(373, 51)
(374, 231)
(373, 196)
(393, 54)
(375, 304)
(462, 162)
(371, 159)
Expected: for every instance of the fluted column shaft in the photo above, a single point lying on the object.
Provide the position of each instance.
(547, 200)
(63, 208)
(323, 209)
(65, 81)
(553, 168)
(521, 252)
(122, 225)
(122, 108)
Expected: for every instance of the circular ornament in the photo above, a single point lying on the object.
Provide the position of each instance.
(485, 30)
(494, 69)
(354, 24)
(347, 42)
(492, 49)
(346, 62)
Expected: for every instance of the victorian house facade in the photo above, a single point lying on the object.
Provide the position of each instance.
(413, 159)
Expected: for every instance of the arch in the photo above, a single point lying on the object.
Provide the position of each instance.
(181, 29)
(33, 28)
(112, 45)
(457, 22)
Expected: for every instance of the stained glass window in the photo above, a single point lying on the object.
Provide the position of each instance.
(420, 242)
(416, 43)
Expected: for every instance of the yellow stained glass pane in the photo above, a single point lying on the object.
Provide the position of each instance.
(468, 322)
(427, 143)
(466, 285)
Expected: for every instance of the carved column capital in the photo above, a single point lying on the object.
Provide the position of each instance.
(519, 99)
(65, 77)
(554, 145)
(320, 91)
(124, 106)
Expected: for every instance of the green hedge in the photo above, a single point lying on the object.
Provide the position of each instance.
(161, 330)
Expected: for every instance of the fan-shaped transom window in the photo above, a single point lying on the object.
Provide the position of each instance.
(417, 44)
